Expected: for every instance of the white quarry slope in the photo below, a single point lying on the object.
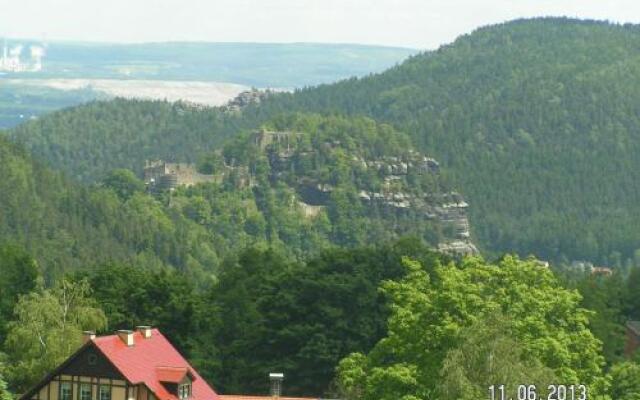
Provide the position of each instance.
(200, 92)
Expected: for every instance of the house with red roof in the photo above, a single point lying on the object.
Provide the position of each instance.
(129, 365)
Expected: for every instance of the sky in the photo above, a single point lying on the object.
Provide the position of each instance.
(421, 24)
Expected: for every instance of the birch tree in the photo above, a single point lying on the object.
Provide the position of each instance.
(47, 329)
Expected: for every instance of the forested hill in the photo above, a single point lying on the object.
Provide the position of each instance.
(301, 184)
(536, 121)
(67, 226)
(90, 140)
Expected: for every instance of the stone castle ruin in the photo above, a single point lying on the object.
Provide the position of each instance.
(449, 208)
(263, 138)
(282, 149)
(161, 175)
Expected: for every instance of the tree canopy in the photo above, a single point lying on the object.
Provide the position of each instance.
(431, 312)
(48, 329)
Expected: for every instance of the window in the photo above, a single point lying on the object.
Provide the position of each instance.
(105, 392)
(65, 391)
(184, 391)
(85, 391)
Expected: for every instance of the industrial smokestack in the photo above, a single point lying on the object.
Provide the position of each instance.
(276, 384)
(37, 53)
(16, 51)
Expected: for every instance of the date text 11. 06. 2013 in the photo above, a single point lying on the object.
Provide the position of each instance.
(530, 392)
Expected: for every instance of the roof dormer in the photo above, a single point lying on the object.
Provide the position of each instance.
(177, 381)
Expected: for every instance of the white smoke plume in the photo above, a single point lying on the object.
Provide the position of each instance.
(37, 51)
(16, 50)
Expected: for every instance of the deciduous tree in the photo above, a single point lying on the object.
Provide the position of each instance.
(48, 328)
(431, 313)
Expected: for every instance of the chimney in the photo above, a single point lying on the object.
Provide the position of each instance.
(88, 336)
(126, 336)
(144, 330)
(276, 384)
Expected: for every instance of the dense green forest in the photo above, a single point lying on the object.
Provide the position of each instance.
(90, 140)
(535, 121)
(66, 226)
(300, 197)
(342, 323)
(310, 249)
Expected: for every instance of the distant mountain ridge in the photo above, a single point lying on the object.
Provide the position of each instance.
(208, 73)
(263, 65)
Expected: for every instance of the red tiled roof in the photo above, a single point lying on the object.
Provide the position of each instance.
(242, 397)
(150, 361)
(171, 374)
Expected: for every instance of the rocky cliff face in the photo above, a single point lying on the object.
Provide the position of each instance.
(245, 99)
(404, 187)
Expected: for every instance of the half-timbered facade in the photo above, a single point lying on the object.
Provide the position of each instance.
(140, 365)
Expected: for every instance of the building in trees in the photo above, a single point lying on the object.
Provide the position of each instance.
(633, 338)
(163, 175)
(140, 365)
(242, 397)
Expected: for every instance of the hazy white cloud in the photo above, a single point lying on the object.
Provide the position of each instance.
(411, 23)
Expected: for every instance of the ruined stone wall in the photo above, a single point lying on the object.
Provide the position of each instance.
(263, 138)
(172, 175)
